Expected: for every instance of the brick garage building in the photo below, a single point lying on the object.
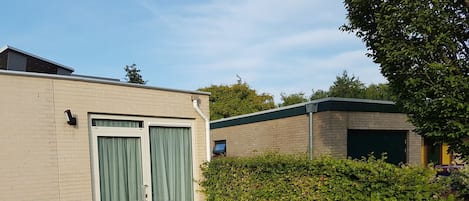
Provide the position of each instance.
(66, 137)
(339, 127)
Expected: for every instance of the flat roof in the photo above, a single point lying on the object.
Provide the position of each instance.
(8, 47)
(320, 105)
(95, 80)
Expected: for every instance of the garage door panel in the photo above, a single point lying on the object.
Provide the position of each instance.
(361, 143)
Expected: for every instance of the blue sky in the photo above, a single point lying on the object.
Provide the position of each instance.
(273, 45)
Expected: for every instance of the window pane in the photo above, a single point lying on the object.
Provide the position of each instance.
(220, 147)
(120, 168)
(171, 163)
(117, 123)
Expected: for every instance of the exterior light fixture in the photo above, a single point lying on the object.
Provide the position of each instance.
(70, 119)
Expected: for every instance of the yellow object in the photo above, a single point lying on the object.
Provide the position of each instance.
(445, 156)
(435, 154)
(423, 154)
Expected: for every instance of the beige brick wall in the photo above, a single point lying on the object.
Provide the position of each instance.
(28, 145)
(287, 135)
(330, 134)
(330, 131)
(290, 135)
(43, 158)
(389, 121)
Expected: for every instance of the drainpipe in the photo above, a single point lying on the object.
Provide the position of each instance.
(195, 103)
(310, 109)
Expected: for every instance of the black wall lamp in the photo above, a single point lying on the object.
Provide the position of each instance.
(70, 119)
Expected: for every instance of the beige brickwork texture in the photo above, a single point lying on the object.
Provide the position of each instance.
(330, 131)
(44, 158)
(287, 135)
(330, 134)
(290, 135)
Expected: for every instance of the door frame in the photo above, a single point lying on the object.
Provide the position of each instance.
(144, 135)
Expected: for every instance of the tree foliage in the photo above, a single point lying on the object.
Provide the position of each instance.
(422, 49)
(378, 92)
(346, 86)
(292, 99)
(236, 99)
(133, 74)
(318, 94)
(349, 86)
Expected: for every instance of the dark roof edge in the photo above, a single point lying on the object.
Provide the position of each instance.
(94, 80)
(325, 104)
(6, 47)
(96, 77)
(276, 114)
(306, 103)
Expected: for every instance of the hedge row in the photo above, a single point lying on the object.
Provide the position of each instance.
(277, 177)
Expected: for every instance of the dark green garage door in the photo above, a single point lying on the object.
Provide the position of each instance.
(363, 142)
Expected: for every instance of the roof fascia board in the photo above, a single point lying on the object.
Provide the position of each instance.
(306, 103)
(325, 104)
(3, 48)
(278, 114)
(86, 79)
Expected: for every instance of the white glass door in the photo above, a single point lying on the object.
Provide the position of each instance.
(120, 160)
(171, 163)
(141, 159)
(120, 168)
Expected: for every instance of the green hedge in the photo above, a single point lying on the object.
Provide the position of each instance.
(276, 177)
(459, 182)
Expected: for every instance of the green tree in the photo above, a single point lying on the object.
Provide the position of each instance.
(378, 92)
(292, 99)
(236, 99)
(318, 94)
(133, 74)
(346, 86)
(422, 50)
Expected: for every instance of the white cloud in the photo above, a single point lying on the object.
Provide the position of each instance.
(276, 46)
(221, 27)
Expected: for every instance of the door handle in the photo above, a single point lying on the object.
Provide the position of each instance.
(144, 192)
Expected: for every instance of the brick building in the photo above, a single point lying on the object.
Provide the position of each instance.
(68, 137)
(339, 127)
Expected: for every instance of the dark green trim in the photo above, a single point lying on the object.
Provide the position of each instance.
(296, 111)
(325, 105)
(357, 107)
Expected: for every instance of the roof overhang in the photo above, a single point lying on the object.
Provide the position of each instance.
(97, 80)
(320, 105)
(8, 47)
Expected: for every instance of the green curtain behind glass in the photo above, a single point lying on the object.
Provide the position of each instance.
(171, 164)
(120, 168)
(116, 123)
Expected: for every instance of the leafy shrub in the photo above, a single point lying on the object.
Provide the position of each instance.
(459, 181)
(294, 177)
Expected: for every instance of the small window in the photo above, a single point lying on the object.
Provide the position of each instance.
(117, 123)
(220, 147)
